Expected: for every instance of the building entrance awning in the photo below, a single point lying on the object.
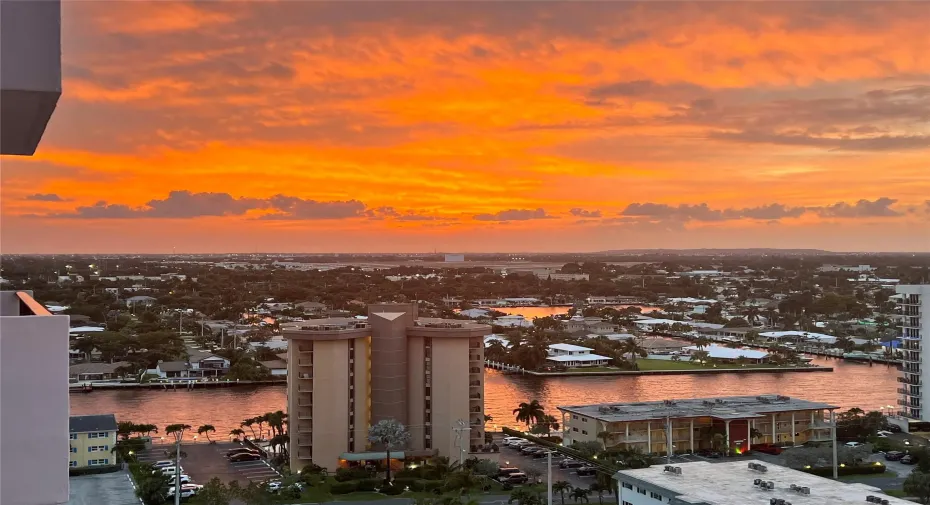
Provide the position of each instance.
(370, 456)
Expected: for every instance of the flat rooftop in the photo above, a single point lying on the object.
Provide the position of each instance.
(110, 488)
(731, 483)
(726, 407)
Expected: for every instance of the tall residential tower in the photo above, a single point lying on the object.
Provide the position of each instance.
(914, 318)
(347, 374)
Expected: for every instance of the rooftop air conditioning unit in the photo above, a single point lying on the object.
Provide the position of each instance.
(757, 482)
(678, 470)
(770, 485)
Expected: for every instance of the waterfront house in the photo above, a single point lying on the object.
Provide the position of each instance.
(205, 364)
(585, 325)
(171, 370)
(277, 367)
(719, 352)
(661, 345)
(92, 439)
(572, 356)
(145, 301)
(95, 371)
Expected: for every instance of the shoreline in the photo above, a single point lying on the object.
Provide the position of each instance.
(94, 386)
(711, 371)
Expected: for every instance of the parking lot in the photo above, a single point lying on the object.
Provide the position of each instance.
(511, 457)
(206, 461)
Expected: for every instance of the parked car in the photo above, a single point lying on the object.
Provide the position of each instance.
(238, 458)
(273, 485)
(517, 478)
(853, 444)
(242, 450)
(531, 449)
(767, 448)
(165, 463)
(519, 444)
(894, 428)
(570, 463)
(511, 440)
(170, 470)
(503, 473)
(909, 460)
(187, 490)
(884, 433)
(586, 470)
(185, 479)
(894, 455)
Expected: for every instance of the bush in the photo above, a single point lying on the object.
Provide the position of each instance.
(312, 469)
(427, 485)
(413, 473)
(343, 487)
(874, 468)
(507, 486)
(93, 470)
(392, 490)
(347, 474)
(367, 484)
(405, 482)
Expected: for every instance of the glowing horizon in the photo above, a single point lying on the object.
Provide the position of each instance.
(479, 127)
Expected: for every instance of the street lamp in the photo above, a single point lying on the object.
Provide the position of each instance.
(178, 435)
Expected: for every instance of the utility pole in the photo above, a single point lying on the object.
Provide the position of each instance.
(459, 428)
(549, 477)
(833, 436)
(668, 442)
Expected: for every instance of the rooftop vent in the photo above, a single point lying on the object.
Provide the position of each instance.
(672, 469)
(757, 467)
(767, 485)
(779, 501)
(801, 489)
(708, 403)
(668, 403)
(876, 499)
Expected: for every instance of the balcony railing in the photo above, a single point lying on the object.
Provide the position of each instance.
(907, 403)
(474, 370)
(474, 396)
(905, 380)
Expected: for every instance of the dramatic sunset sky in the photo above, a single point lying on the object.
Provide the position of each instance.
(505, 126)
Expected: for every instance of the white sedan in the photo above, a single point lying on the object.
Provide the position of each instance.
(187, 490)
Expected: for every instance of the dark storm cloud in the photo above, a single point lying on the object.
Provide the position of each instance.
(771, 212)
(295, 208)
(883, 143)
(514, 215)
(45, 197)
(183, 204)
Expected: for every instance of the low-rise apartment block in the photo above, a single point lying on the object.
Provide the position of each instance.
(346, 374)
(695, 422)
(739, 483)
(92, 440)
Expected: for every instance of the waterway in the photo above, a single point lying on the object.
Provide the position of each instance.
(849, 385)
(533, 311)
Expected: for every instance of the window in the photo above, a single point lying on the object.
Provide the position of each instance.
(72, 464)
(98, 462)
(73, 436)
(656, 496)
(584, 432)
(641, 490)
(574, 429)
(73, 449)
(584, 419)
(100, 434)
(574, 416)
(627, 485)
(98, 448)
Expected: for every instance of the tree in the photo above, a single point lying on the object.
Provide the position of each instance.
(248, 423)
(125, 428)
(700, 356)
(561, 486)
(587, 447)
(389, 433)
(918, 484)
(633, 347)
(524, 496)
(237, 433)
(599, 489)
(580, 494)
(533, 474)
(604, 435)
(214, 492)
(530, 413)
(205, 430)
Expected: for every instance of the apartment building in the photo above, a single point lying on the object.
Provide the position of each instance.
(692, 423)
(345, 375)
(34, 401)
(92, 440)
(914, 319)
(739, 483)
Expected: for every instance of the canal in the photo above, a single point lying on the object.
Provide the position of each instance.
(849, 385)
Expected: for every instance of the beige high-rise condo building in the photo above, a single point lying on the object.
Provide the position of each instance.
(345, 375)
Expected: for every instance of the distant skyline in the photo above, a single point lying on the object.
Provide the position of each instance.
(480, 127)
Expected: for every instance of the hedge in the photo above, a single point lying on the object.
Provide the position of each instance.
(427, 485)
(367, 484)
(343, 487)
(93, 470)
(347, 474)
(405, 482)
(392, 490)
(846, 470)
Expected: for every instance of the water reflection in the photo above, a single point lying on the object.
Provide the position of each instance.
(850, 385)
(531, 312)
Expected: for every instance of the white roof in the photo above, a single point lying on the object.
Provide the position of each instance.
(578, 357)
(803, 334)
(569, 347)
(695, 324)
(731, 483)
(721, 352)
(85, 329)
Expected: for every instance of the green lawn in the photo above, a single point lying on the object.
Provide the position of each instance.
(660, 364)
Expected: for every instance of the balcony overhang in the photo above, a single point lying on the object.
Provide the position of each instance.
(30, 72)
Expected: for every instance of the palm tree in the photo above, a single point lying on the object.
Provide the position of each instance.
(249, 423)
(205, 430)
(604, 435)
(236, 433)
(700, 356)
(633, 347)
(561, 486)
(389, 433)
(701, 342)
(276, 422)
(524, 497)
(580, 494)
(259, 420)
(528, 413)
(599, 489)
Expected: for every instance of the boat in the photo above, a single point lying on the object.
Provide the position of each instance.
(858, 356)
